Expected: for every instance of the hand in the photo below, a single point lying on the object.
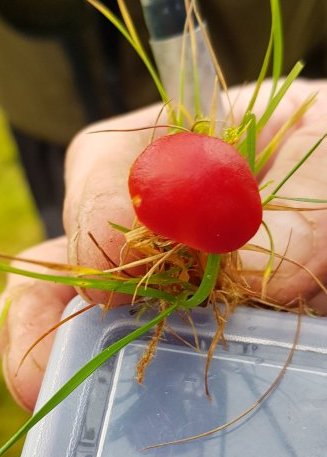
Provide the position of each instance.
(96, 177)
(96, 181)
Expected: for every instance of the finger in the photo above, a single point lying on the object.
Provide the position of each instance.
(97, 192)
(35, 306)
(301, 236)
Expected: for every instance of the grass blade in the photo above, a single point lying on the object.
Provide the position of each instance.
(269, 266)
(194, 51)
(119, 228)
(301, 199)
(208, 282)
(189, 37)
(83, 374)
(271, 148)
(215, 101)
(278, 44)
(274, 102)
(275, 44)
(251, 140)
(74, 269)
(262, 74)
(294, 169)
(135, 44)
(213, 57)
(129, 23)
(123, 286)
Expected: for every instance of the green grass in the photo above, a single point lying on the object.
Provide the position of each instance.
(19, 228)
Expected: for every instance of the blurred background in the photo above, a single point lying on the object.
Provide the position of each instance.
(20, 227)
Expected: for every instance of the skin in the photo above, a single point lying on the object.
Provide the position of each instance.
(96, 181)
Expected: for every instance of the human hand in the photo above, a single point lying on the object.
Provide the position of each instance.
(96, 177)
(96, 180)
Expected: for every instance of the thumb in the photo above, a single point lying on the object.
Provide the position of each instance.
(97, 169)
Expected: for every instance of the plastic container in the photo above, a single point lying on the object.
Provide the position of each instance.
(110, 415)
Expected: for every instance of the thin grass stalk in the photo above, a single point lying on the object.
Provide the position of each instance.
(269, 266)
(278, 44)
(136, 45)
(274, 102)
(251, 140)
(294, 169)
(301, 199)
(214, 60)
(123, 286)
(271, 148)
(194, 52)
(262, 74)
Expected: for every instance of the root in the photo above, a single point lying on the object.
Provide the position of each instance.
(106, 256)
(150, 351)
(146, 278)
(49, 331)
(256, 248)
(221, 320)
(195, 333)
(253, 407)
(180, 338)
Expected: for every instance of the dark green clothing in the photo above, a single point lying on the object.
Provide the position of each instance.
(62, 65)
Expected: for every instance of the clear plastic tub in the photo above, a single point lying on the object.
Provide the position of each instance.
(110, 415)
